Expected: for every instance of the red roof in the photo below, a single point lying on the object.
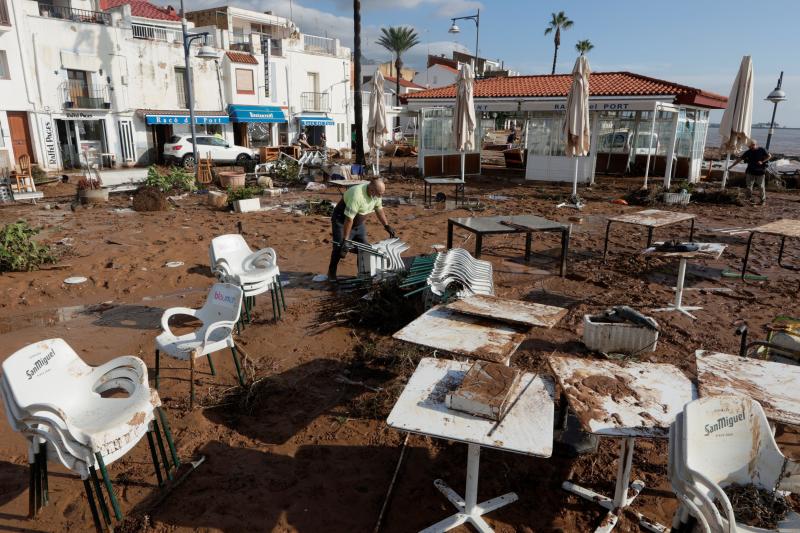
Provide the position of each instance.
(600, 84)
(404, 83)
(143, 9)
(242, 57)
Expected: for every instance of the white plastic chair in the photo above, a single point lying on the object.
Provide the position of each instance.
(232, 261)
(56, 401)
(726, 440)
(218, 316)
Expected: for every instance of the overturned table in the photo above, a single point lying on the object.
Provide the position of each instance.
(526, 428)
(651, 219)
(782, 228)
(498, 225)
(627, 401)
(773, 385)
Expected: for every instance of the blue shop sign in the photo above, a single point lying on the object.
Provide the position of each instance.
(256, 113)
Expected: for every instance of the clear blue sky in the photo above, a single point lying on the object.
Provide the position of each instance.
(695, 42)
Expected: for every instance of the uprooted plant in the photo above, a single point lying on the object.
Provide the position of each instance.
(172, 179)
(19, 252)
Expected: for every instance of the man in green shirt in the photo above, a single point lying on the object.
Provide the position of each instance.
(348, 218)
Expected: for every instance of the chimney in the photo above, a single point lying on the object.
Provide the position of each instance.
(170, 10)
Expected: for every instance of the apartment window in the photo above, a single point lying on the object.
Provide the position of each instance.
(180, 87)
(4, 72)
(4, 18)
(244, 81)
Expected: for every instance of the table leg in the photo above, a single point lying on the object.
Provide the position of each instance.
(678, 305)
(605, 245)
(469, 510)
(565, 235)
(780, 252)
(449, 234)
(528, 240)
(747, 253)
(691, 232)
(623, 488)
(478, 244)
(649, 236)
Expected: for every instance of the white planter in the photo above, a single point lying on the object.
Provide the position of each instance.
(610, 337)
(247, 206)
(677, 198)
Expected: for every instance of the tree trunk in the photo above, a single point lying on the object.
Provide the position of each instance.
(359, 109)
(556, 42)
(398, 66)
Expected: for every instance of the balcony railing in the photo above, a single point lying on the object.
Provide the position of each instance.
(388, 99)
(241, 42)
(154, 33)
(75, 15)
(315, 101)
(321, 45)
(78, 95)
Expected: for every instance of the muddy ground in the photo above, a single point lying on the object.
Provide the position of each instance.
(306, 451)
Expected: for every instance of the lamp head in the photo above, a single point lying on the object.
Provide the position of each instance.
(454, 28)
(207, 52)
(778, 95)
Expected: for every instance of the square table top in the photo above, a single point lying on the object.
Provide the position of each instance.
(623, 400)
(444, 329)
(653, 218)
(347, 183)
(710, 250)
(444, 181)
(526, 428)
(773, 385)
(513, 311)
(495, 224)
(785, 227)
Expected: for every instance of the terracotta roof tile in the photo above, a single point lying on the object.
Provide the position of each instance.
(600, 84)
(242, 57)
(404, 83)
(143, 9)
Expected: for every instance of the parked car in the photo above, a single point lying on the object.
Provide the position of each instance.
(619, 142)
(179, 149)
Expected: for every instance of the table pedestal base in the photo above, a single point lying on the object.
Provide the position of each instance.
(469, 511)
(624, 493)
(678, 306)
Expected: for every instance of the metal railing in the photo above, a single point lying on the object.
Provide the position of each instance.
(241, 42)
(388, 99)
(75, 15)
(155, 33)
(78, 95)
(315, 101)
(322, 45)
(4, 18)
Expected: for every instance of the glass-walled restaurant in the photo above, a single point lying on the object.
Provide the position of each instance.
(658, 135)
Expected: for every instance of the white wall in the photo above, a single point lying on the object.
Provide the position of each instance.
(436, 76)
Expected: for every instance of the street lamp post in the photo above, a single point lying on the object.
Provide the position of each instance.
(777, 95)
(455, 29)
(205, 52)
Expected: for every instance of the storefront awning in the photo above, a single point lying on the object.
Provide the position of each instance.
(180, 118)
(256, 113)
(316, 121)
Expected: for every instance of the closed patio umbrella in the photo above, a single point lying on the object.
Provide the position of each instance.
(576, 123)
(464, 113)
(376, 124)
(734, 129)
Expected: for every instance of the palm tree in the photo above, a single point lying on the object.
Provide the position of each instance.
(558, 22)
(584, 46)
(359, 111)
(398, 39)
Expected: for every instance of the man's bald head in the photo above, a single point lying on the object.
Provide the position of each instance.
(376, 188)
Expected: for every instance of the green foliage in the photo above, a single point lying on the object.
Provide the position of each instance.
(584, 46)
(681, 186)
(38, 174)
(175, 178)
(398, 39)
(243, 193)
(287, 171)
(19, 252)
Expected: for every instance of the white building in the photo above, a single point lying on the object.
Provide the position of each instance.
(442, 71)
(76, 74)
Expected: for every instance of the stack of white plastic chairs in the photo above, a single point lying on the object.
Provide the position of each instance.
(718, 441)
(458, 267)
(60, 405)
(232, 261)
(383, 256)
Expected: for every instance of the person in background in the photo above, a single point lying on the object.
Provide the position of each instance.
(512, 138)
(347, 220)
(323, 140)
(756, 159)
(302, 140)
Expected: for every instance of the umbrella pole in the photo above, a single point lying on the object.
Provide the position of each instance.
(575, 179)
(725, 172)
(463, 163)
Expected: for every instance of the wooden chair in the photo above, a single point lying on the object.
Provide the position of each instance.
(24, 176)
(204, 175)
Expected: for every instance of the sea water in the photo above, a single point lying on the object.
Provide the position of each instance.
(785, 141)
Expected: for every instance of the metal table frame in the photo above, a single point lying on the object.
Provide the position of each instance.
(428, 183)
(780, 252)
(650, 229)
(564, 229)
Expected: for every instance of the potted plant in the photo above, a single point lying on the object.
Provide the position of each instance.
(244, 199)
(91, 191)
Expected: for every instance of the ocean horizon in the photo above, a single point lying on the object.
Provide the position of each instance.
(785, 141)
